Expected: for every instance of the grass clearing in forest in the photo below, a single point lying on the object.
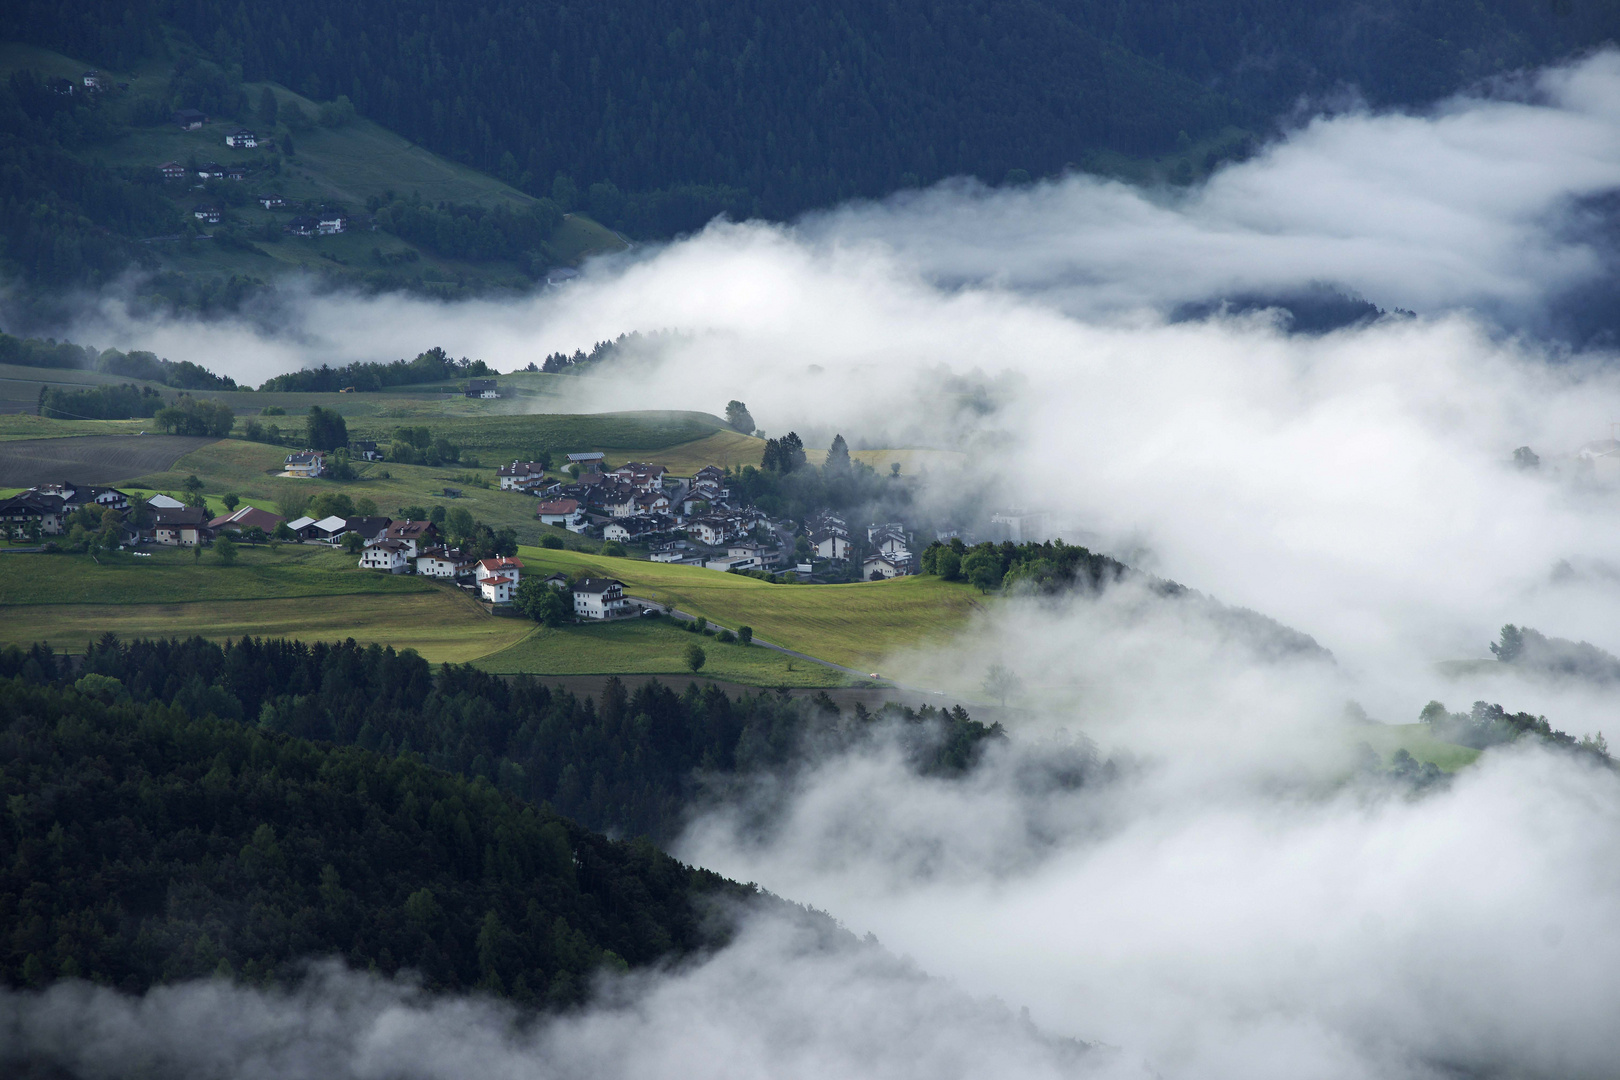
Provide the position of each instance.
(855, 625)
(652, 647)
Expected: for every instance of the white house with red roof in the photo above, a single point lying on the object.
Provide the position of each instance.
(498, 578)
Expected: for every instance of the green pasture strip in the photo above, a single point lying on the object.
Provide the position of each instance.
(1417, 740)
(175, 575)
(441, 624)
(652, 647)
(855, 625)
(17, 426)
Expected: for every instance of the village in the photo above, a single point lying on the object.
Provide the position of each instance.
(692, 521)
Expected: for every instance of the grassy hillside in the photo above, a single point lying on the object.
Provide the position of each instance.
(856, 625)
(170, 575)
(652, 647)
(494, 437)
(16, 426)
(1417, 740)
(352, 165)
(442, 625)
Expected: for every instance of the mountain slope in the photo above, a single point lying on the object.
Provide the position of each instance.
(684, 110)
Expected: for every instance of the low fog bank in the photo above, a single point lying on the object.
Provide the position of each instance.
(782, 1001)
(1211, 885)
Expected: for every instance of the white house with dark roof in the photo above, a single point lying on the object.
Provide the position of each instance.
(305, 463)
(242, 139)
(519, 474)
(447, 563)
(600, 598)
(389, 555)
(415, 535)
(879, 565)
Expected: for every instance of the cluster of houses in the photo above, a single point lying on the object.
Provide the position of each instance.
(48, 509)
(888, 545)
(645, 504)
(92, 81)
(328, 222)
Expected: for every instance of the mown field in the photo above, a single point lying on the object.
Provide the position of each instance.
(441, 624)
(652, 647)
(855, 625)
(249, 469)
(91, 459)
(172, 575)
(17, 426)
(497, 438)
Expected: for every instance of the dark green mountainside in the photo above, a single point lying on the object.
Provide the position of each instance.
(721, 103)
(167, 814)
(147, 842)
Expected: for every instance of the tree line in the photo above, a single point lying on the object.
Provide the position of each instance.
(431, 365)
(65, 355)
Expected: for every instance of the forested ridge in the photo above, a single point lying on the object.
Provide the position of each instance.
(147, 841)
(655, 115)
(178, 808)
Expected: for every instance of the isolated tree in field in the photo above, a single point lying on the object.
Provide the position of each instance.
(192, 483)
(325, 429)
(738, 417)
(291, 504)
(225, 548)
(838, 455)
(551, 543)
(745, 634)
(894, 469)
(1000, 683)
(231, 501)
(696, 657)
(353, 543)
(254, 535)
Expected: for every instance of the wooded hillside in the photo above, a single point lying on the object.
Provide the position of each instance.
(658, 116)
